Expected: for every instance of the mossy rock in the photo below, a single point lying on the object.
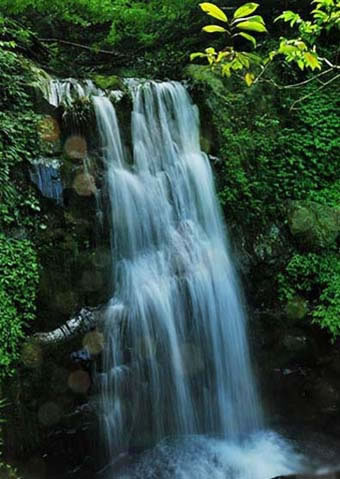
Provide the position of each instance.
(202, 75)
(296, 308)
(109, 82)
(314, 225)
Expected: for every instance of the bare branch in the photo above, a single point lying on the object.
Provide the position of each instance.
(312, 92)
(78, 45)
(83, 322)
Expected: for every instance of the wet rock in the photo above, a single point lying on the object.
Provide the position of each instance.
(109, 82)
(312, 224)
(270, 245)
(328, 475)
(327, 395)
(203, 76)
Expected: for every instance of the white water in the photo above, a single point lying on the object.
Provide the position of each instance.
(176, 360)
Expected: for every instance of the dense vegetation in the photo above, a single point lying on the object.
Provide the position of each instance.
(19, 206)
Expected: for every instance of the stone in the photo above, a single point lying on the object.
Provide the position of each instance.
(314, 225)
(108, 82)
(328, 475)
(203, 75)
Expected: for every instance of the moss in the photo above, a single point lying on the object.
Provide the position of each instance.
(314, 225)
(109, 82)
(203, 76)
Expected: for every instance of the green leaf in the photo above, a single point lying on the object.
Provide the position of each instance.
(252, 26)
(214, 11)
(213, 29)
(245, 10)
(252, 18)
(248, 37)
(197, 55)
(249, 78)
(312, 60)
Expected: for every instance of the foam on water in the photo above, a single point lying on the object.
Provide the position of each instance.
(263, 455)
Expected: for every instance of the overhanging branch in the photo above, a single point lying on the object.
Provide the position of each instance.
(81, 323)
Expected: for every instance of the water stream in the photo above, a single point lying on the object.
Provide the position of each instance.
(176, 364)
(176, 380)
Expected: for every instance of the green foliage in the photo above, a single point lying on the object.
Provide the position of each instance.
(18, 282)
(269, 156)
(317, 278)
(136, 32)
(231, 59)
(18, 204)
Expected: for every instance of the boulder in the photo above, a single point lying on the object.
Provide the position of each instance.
(109, 82)
(328, 475)
(312, 224)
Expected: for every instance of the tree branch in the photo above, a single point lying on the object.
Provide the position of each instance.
(84, 47)
(312, 92)
(83, 322)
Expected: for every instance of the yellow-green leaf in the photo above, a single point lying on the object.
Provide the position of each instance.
(222, 55)
(197, 55)
(252, 26)
(248, 37)
(312, 60)
(252, 18)
(245, 10)
(213, 29)
(214, 11)
(249, 78)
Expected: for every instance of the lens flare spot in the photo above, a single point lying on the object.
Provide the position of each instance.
(94, 342)
(48, 129)
(31, 355)
(49, 413)
(191, 360)
(84, 184)
(76, 147)
(79, 381)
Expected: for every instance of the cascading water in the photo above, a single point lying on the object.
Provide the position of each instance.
(184, 321)
(176, 360)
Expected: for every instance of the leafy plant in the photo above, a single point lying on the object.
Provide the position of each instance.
(317, 278)
(18, 283)
(229, 59)
(301, 50)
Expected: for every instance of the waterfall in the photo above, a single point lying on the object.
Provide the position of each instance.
(176, 360)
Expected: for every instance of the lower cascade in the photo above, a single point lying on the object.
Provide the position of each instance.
(176, 360)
